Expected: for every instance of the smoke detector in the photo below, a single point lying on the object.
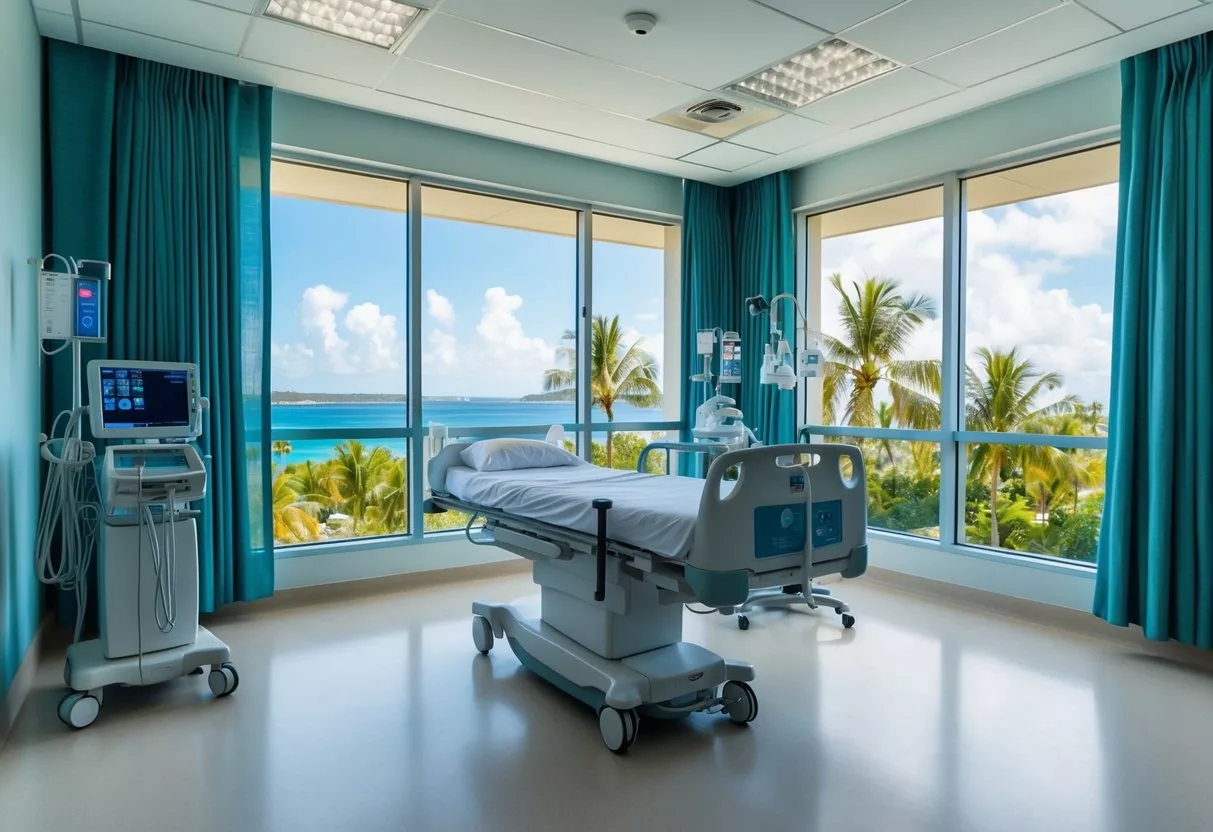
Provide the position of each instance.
(714, 111)
(640, 23)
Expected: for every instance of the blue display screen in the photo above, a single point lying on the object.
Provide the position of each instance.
(88, 307)
(151, 461)
(133, 398)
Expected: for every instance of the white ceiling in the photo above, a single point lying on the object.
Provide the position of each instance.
(568, 75)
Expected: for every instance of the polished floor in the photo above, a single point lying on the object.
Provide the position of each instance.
(378, 714)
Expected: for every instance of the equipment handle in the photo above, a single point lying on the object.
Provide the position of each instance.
(602, 507)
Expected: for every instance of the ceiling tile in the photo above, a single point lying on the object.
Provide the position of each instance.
(832, 14)
(1032, 41)
(185, 21)
(783, 134)
(725, 156)
(1129, 14)
(246, 6)
(922, 28)
(522, 62)
(453, 89)
(55, 25)
(295, 47)
(706, 43)
(890, 93)
(60, 6)
(126, 42)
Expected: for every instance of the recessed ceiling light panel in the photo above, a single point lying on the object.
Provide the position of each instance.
(380, 23)
(824, 70)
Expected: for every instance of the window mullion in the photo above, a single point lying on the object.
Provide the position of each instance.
(951, 493)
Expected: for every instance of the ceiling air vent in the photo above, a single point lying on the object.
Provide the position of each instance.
(719, 116)
(714, 111)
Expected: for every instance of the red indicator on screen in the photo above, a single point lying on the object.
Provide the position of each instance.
(86, 292)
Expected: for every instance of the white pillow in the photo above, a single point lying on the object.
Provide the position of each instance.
(510, 454)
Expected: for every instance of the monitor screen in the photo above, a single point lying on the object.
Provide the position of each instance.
(138, 397)
(730, 361)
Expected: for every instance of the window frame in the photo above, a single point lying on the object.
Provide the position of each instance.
(953, 439)
(415, 432)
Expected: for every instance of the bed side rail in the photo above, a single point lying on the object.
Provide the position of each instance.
(791, 506)
(706, 450)
(449, 457)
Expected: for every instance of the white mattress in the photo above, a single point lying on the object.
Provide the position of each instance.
(651, 512)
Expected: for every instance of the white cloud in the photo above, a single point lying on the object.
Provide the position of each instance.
(363, 341)
(380, 347)
(1008, 302)
(318, 314)
(646, 317)
(294, 360)
(439, 307)
(443, 350)
(501, 332)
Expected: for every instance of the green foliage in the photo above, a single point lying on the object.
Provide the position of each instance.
(1044, 496)
(619, 371)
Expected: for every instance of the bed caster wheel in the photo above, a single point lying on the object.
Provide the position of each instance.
(79, 710)
(223, 680)
(743, 622)
(741, 702)
(848, 621)
(619, 728)
(482, 633)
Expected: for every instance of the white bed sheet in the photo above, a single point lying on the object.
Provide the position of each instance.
(651, 512)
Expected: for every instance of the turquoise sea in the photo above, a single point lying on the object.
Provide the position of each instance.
(453, 414)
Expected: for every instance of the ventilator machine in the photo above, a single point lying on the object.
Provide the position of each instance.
(139, 521)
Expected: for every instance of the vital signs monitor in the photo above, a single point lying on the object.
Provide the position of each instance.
(143, 400)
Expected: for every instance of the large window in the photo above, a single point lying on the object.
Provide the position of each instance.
(875, 297)
(339, 355)
(630, 350)
(489, 318)
(1039, 279)
(969, 351)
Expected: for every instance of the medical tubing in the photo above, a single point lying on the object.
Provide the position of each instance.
(66, 509)
(602, 507)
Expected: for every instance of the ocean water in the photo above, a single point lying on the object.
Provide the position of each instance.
(461, 414)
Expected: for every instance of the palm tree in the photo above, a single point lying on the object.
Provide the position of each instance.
(1002, 398)
(390, 497)
(877, 322)
(314, 482)
(281, 448)
(294, 520)
(356, 471)
(619, 371)
(886, 417)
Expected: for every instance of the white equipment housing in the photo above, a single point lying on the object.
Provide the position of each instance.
(148, 553)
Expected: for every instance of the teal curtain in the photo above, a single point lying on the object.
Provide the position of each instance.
(169, 179)
(738, 242)
(765, 264)
(709, 296)
(1156, 545)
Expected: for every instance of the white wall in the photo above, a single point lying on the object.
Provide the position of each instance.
(1081, 108)
(313, 126)
(20, 239)
(1059, 584)
(354, 562)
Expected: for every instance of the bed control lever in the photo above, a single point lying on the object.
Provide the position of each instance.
(602, 507)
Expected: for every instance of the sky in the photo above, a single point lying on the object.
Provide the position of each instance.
(496, 301)
(1040, 275)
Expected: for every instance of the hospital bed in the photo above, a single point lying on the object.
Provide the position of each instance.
(617, 553)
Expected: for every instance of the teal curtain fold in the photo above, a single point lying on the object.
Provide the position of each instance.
(765, 264)
(183, 214)
(709, 295)
(1155, 564)
(738, 242)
